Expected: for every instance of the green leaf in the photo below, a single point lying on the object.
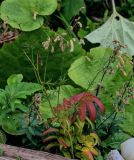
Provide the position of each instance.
(127, 124)
(14, 78)
(87, 70)
(114, 141)
(26, 15)
(116, 28)
(71, 8)
(21, 107)
(18, 91)
(56, 97)
(12, 124)
(22, 90)
(11, 97)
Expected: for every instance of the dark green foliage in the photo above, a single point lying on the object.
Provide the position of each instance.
(12, 55)
(14, 60)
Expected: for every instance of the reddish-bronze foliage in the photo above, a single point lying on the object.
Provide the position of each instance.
(86, 102)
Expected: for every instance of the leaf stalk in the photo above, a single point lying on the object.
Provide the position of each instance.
(113, 5)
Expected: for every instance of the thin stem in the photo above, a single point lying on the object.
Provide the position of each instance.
(36, 70)
(46, 65)
(113, 5)
(105, 71)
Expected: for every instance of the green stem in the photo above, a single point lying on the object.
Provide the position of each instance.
(111, 58)
(36, 71)
(34, 68)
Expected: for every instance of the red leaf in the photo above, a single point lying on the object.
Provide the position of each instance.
(85, 102)
(99, 103)
(82, 111)
(76, 98)
(66, 104)
(50, 130)
(92, 111)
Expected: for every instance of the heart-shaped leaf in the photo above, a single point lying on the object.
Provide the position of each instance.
(26, 15)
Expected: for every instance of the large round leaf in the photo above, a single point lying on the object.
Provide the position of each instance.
(87, 70)
(13, 124)
(26, 14)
